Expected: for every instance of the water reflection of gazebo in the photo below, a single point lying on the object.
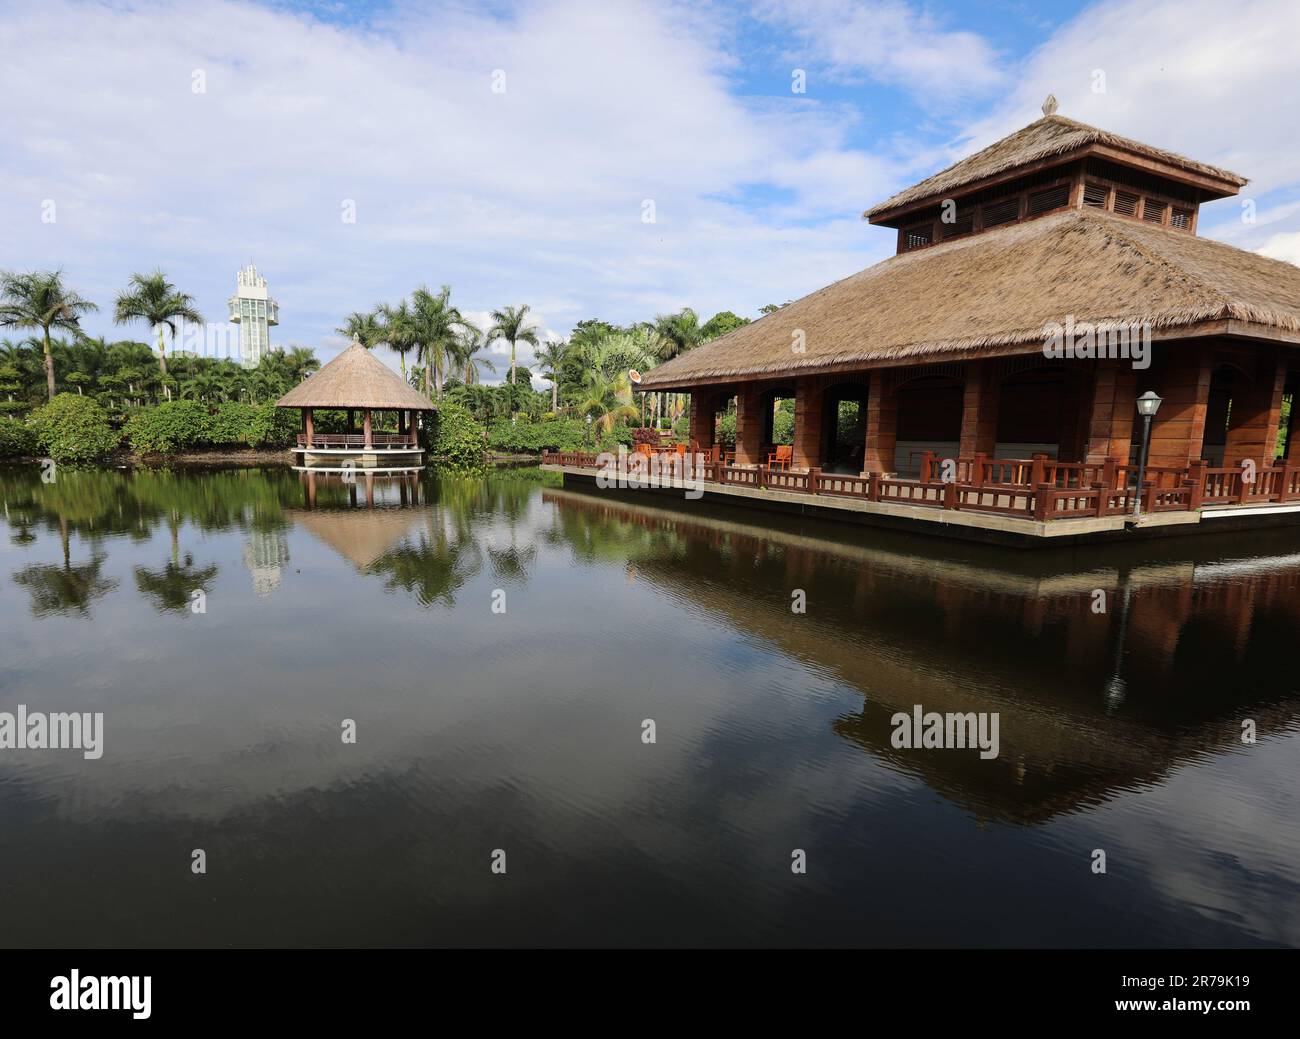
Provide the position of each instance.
(357, 381)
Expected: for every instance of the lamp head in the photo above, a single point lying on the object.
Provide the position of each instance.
(1148, 404)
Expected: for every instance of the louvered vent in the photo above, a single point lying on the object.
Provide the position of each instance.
(1003, 211)
(1125, 203)
(1052, 198)
(1153, 211)
(915, 237)
(1181, 218)
(1094, 195)
(962, 225)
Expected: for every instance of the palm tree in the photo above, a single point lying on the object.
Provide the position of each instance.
(364, 328)
(552, 357)
(393, 326)
(470, 342)
(40, 300)
(511, 324)
(153, 299)
(678, 333)
(607, 399)
(434, 323)
(301, 361)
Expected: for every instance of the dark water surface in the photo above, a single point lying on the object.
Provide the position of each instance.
(522, 731)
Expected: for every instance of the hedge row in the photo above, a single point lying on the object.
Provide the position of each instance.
(182, 425)
(73, 428)
(554, 435)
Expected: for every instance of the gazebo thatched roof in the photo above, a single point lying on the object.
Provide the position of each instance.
(998, 290)
(1045, 138)
(355, 379)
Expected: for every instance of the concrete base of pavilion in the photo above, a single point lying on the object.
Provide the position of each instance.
(987, 528)
(359, 458)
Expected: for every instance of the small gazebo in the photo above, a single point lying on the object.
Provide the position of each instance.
(358, 382)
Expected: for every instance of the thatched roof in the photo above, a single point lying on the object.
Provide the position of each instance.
(999, 289)
(355, 379)
(1047, 137)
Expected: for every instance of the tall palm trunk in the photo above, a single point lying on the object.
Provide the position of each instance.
(512, 362)
(49, 365)
(162, 363)
(555, 395)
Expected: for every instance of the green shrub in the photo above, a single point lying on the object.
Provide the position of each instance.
(230, 425)
(727, 429)
(457, 440)
(17, 440)
(173, 426)
(73, 429)
(269, 426)
(554, 435)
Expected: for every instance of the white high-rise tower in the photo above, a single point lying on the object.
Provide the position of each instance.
(254, 311)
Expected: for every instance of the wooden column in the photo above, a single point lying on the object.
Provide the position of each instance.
(1181, 375)
(703, 419)
(311, 429)
(882, 427)
(1256, 414)
(365, 420)
(979, 410)
(808, 399)
(749, 425)
(1112, 413)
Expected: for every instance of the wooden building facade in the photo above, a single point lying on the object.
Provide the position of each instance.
(1038, 288)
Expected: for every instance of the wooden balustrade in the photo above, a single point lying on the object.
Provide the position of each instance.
(1039, 488)
(347, 440)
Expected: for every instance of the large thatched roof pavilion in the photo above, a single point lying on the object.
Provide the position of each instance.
(358, 382)
(1039, 288)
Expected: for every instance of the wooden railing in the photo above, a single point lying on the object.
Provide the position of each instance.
(1039, 488)
(357, 440)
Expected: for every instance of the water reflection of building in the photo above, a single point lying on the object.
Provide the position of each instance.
(266, 552)
(956, 629)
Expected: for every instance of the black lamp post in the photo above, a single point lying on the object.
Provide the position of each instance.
(1147, 404)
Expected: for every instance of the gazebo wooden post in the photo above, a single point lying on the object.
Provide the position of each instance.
(366, 426)
(307, 418)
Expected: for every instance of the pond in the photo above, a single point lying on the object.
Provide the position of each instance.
(584, 717)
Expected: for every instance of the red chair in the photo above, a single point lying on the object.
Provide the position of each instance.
(781, 457)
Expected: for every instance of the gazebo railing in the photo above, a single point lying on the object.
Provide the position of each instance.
(353, 440)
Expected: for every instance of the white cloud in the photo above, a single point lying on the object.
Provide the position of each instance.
(1206, 80)
(533, 194)
(888, 42)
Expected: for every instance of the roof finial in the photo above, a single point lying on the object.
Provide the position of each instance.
(1050, 106)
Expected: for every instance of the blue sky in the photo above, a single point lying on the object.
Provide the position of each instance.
(537, 192)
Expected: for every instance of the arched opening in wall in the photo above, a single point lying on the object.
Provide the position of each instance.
(1224, 382)
(929, 419)
(844, 427)
(777, 406)
(1043, 411)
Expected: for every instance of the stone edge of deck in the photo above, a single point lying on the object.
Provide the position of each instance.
(953, 523)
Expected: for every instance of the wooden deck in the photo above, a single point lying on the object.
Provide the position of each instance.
(1009, 500)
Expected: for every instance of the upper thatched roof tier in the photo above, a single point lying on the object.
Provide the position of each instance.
(999, 289)
(355, 379)
(1044, 139)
